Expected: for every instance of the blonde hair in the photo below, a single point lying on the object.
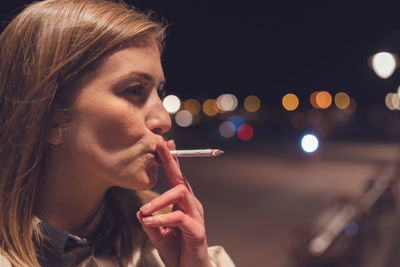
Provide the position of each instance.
(42, 51)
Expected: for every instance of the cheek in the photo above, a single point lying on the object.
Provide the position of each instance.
(112, 126)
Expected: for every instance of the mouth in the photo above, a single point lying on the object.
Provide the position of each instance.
(156, 157)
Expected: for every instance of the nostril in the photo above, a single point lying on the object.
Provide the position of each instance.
(158, 131)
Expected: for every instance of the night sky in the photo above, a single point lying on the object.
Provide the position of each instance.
(271, 49)
(250, 47)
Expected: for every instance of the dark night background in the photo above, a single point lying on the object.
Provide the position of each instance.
(272, 48)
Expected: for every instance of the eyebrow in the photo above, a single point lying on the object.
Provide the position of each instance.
(133, 75)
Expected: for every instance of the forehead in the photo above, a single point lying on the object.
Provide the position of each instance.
(118, 69)
(121, 62)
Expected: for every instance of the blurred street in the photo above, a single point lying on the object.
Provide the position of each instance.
(258, 198)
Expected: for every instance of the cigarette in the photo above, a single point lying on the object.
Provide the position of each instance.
(193, 153)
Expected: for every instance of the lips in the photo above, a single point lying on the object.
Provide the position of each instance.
(156, 157)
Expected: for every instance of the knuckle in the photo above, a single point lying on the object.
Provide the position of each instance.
(180, 216)
(181, 189)
(201, 234)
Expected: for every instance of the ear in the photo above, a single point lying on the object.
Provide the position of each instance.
(54, 136)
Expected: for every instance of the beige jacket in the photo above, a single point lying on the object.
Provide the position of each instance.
(218, 257)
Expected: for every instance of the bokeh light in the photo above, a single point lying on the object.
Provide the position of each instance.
(290, 102)
(313, 100)
(227, 129)
(192, 105)
(183, 118)
(237, 120)
(384, 64)
(323, 99)
(252, 103)
(210, 107)
(396, 101)
(342, 100)
(172, 103)
(309, 143)
(227, 102)
(392, 101)
(388, 101)
(245, 132)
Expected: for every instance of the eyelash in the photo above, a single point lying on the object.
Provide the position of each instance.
(161, 90)
(139, 90)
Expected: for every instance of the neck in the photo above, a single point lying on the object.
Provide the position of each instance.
(67, 199)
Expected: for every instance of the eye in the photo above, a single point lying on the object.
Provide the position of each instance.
(161, 90)
(136, 90)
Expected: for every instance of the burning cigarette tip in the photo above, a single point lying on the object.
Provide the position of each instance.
(217, 152)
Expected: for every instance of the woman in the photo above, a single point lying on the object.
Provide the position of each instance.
(81, 140)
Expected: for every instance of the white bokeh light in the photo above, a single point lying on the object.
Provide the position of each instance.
(227, 102)
(384, 64)
(172, 104)
(396, 101)
(184, 118)
(309, 143)
(392, 101)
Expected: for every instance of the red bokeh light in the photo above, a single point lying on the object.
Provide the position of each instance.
(245, 132)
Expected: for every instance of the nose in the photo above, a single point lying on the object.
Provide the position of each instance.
(157, 119)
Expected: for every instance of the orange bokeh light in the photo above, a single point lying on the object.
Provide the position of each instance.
(323, 99)
(313, 100)
(210, 107)
(290, 102)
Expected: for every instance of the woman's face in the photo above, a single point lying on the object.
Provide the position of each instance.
(117, 118)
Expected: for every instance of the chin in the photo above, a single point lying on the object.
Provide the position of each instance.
(144, 181)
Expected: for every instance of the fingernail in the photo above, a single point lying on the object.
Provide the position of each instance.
(147, 220)
(146, 208)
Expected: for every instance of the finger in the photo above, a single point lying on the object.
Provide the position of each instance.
(178, 195)
(171, 146)
(171, 167)
(154, 233)
(190, 227)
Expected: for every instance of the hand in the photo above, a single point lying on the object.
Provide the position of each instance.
(179, 236)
